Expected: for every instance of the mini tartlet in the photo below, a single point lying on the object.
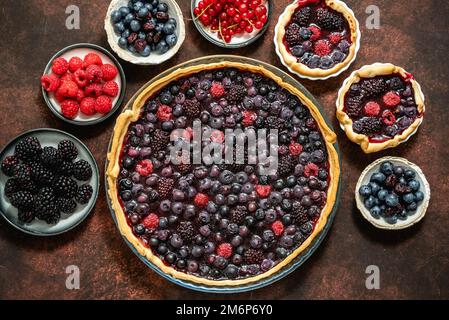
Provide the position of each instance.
(317, 39)
(380, 106)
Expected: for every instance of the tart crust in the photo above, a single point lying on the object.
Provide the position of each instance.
(113, 169)
(378, 69)
(292, 62)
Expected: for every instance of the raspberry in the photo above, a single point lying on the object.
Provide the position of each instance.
(144, 167)
(151, 221)
(224, 250)
(164, 113)
(372, 109)
(59, 96)
(67, 77)
(322, 48)
(94, 73)
(103, 104)
(60, 66)
(68, 89)
(277, 227)
(50, 82)
(295, 149)
(311, 169)
(110, 88)
(262, 190)
(388, 117)
(87, 106)
(80, 95)
(335, 38)
(69, 108)
(109, 72)
(80, 78)
(391, 99)
(316, 33)
(75, 64)
(248, 117)
(92, 58)
(217, 136)
(217, 90)
(201, 200)
(94, 90)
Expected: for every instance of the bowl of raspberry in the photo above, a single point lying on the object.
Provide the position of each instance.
(83, 84)
(231, 24)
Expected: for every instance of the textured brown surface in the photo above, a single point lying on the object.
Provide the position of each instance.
(413, 263)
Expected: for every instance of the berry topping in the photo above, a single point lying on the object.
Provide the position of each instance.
(263, 191)
(248, 118)
(217, 90)
(328, 19)
(311, 169)
(372, 109)
(164, 113)
(388, 117)
(322, 48)
(277, 227)
(335, 38)
(391, 99)
(144, 167)
(224, 250)
(151, 221)
(295, 149)
(201, 200)
(316, 33)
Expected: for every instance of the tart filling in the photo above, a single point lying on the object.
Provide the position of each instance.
(317, 38)
(221, 224)
(380, 106)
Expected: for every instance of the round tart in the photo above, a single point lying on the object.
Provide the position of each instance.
(221, 225)
(380, 106)
(317, 39)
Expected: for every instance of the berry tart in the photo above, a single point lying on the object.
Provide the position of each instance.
(221, 225)
(380, 106)
(317, 39)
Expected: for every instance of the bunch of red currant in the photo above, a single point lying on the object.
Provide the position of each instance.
(231, 17)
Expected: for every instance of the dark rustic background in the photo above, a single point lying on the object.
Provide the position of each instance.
(413, 263)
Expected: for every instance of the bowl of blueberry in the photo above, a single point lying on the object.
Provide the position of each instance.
(145, 32)
(392, 193)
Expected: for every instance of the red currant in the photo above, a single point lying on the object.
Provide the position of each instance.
(243, 8)
(237, 18)
(218, 7)
(201, 5)
(197, 11)
(249, 28)
(258, 25)
(254, 4)
(231, 11)
(263, 19)
(251, 14)
(227, 38)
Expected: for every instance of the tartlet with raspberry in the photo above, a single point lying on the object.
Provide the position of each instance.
(221, 226)
(380, 106)
(317, 39)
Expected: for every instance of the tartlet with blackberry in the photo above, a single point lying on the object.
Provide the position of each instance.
(317, 39)
(221, 225)
(380, 106)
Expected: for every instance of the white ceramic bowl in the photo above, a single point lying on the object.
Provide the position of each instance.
(154, 58)
(400, 224)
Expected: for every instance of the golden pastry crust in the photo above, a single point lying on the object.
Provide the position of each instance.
(378, 69)
(113, 169)
(300, 68)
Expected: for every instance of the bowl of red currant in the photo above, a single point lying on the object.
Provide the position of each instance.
(232, 23)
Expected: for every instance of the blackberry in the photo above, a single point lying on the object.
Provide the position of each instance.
(65, 168)
(41, 175)
(373, 87)
(50, 157)
(12, 186)
(302, 16)
(327, 19)
(236, 93)
(26, 216)
(22, 200)
(159, 141)
(184, 167)
(353, 106)
(29, 186)
(253, 256)
(67, 150)
(367, 126)
(84, 194)
(45, 206)
(391, 211)
(275, 123)
(28, 149)
(186, 231)
(22, 173)
(299, 213)
(396, 84)
(192, 108)
(65, 187)
(286, 165)
(165, 187)
(66, 205)
(292, 35)
(82, 170)
(8, 165)
(238, 214)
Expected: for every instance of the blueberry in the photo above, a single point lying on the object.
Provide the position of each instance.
(414, 185)
(119, 27)
(134, 25)
(326, 62)
(162, 47)
(398, 171)
(386, 168)
(126, 33)
(392, 219)
(376, 211)
(138, 5)
(173, 21)
(370, 202)
(365, 191)
(419, 196)
(374, 187)
(378, 177)
(162, 7)
(412, 207)
(305, 33)
(408, 198)
(344, 46)
(159, 27)
(143, 12)
(392, 200)
(132, 49)
(171, 40)
(409, 174)
(169, 28)
(124, 11)
(116, 16)
(314, 61)
(129, 17)
(142, 35)
(382, 195)
(338, 56)
(123, 42)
